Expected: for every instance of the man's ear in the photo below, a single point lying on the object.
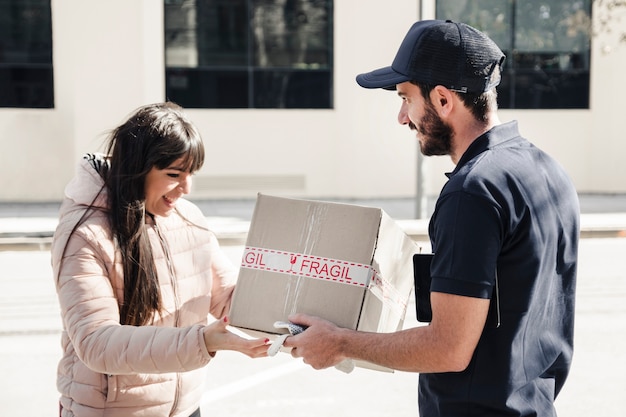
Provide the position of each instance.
(443, 100)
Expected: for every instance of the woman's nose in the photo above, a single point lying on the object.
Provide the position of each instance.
(185, 185)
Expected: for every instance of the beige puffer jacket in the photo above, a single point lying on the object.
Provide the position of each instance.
(112, 370)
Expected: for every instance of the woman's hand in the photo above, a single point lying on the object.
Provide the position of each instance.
(218, 337)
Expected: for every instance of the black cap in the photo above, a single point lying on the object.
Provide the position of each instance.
(439, 52)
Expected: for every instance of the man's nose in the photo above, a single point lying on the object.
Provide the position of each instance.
(403, 115)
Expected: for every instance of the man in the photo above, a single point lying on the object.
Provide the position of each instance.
(504, 234)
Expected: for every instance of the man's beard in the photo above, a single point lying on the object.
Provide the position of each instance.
(435, 134)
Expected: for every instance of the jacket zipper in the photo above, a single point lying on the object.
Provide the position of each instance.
(170, 267)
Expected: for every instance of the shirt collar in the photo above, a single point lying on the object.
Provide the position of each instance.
(493, 137)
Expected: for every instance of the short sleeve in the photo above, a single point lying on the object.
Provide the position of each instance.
(466, 232)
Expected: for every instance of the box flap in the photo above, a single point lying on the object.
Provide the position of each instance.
(333, 230)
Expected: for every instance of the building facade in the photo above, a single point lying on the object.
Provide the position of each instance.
(334, 141)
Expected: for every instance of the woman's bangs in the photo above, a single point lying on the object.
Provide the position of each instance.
(193, 154)
(193, 159)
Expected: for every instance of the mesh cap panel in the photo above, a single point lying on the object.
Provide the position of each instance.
(439, 52)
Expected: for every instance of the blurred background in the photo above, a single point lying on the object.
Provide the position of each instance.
(271, 85)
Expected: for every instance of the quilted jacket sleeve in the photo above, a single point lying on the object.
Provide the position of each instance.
(91, 316)
(224, 278)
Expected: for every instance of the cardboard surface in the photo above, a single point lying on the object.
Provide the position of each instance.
(351, 265)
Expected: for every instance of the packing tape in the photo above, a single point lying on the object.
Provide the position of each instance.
(343, 272)
(299, 264)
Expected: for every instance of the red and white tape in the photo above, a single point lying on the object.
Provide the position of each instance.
(307, 266)
(335, 270)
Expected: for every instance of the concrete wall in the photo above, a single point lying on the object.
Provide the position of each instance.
(108, 62)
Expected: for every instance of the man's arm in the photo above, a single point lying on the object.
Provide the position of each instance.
(446, 345)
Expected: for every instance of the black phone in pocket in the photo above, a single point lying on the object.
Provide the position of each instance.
(422, 279)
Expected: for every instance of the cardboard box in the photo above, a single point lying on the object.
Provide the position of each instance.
(351, 265)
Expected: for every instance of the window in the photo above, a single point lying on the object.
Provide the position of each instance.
(249, 53)
(547, 47)
(26, 54)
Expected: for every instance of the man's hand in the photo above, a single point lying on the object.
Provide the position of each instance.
(319, 345)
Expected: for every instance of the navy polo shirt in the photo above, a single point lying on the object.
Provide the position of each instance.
(508, 209)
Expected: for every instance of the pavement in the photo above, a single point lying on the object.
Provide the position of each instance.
(30, 226)
(30, 325)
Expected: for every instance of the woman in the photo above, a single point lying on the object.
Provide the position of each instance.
(137, 273)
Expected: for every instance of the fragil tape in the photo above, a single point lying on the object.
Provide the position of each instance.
(343, 272)
(310, 266)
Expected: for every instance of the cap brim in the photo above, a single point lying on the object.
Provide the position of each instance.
(385, 78)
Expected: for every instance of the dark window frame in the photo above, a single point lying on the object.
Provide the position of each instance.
(26, 68)
(241, 81)
(535, 79)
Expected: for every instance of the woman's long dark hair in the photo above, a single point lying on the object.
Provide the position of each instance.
(155, 135)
